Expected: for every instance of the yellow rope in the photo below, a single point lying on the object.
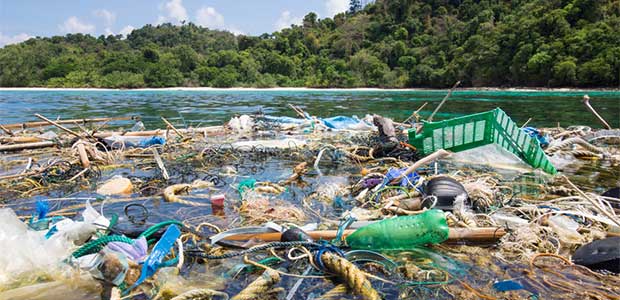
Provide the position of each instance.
(201, 294)
(260, 286)
(354, 278)
(335, 293)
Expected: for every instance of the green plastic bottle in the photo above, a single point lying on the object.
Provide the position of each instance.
(402, 233)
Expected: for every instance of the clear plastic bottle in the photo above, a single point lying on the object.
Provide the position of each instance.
(402, 233)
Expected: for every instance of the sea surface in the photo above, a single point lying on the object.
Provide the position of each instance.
(213, 107)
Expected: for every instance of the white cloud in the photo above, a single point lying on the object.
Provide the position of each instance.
(174, 12)
(333, 7)
(286, 19)
(127, 30)
(18, 38)
(209, 17)
(74, 25)
(108, 17)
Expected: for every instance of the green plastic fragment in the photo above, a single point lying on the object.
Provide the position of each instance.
(472, 131)
(402, 233)
(247, 184)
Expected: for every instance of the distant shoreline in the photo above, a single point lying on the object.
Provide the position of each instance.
(294, 89)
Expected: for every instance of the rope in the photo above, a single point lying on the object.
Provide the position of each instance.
(354, 278)
(260, 286)
(572, 141)
(98, 244)
(153, 229)
(201, 294)
(335, 294)
(253, 249)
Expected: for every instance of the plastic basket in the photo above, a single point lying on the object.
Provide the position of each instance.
(471, 131)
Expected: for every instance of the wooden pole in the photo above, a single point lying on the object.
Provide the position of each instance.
(18, 147)
(455, 235)
(430, 119)
(586, 101)
(42, 124)
(158, 132)
(8, 131)
(173, 128)
(65, 129)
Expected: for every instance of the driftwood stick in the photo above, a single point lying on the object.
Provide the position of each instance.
(586, 101)
(42, 124)
(173, 128)
(415, 112)
(83, 155)
(430, 119)
(9, 132)
(209, 129)
(160, 164)
(63, 128)
(23, 146)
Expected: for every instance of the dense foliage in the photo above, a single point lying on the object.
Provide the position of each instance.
(390, 43)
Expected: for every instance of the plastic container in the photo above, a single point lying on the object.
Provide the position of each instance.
(480, 129)
(401, 233)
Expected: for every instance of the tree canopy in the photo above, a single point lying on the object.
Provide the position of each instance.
(388, 43)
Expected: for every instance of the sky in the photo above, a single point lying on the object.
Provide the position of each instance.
(22, 19)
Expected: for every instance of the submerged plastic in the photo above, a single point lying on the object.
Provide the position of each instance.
(401, 233)
(161, 249)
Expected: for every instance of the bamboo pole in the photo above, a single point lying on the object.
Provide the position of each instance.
(430, 118)
(63, 128)
(158, 132)
(21, 139)
(44, 123)
(173, 128)
(23, 146)
(586, 101)
(455, 235)
(8, 131)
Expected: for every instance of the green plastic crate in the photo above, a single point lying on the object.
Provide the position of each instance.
(471, 131)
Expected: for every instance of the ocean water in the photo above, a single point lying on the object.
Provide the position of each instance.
(213, 107)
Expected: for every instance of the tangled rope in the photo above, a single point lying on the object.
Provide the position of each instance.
(260, 286)
(253, 249)
(201, 294)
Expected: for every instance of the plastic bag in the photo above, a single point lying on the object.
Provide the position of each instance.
(27, 253)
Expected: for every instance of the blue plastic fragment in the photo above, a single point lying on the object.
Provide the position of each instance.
(340, 122)
(507, 285)
(161, 249)
(42, 209)
(535, 133)
(154, 140)
(407, 181)
(338, 202)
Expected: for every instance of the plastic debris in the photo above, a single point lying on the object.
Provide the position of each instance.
(600, 255)
(507, 285)
(117, 185)
(401, 233)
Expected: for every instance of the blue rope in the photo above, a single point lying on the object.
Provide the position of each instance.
(324, 248)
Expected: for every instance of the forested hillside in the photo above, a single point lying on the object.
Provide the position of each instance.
(390, 43)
